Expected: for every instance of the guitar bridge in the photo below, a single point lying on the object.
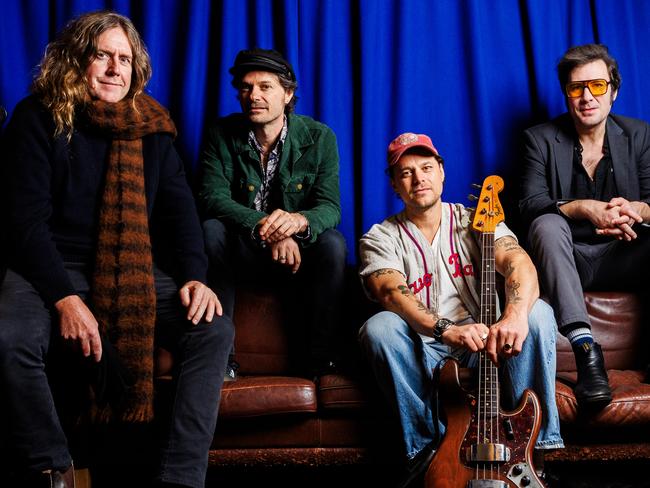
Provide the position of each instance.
(488, 453)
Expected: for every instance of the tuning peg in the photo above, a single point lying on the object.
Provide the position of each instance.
(477, 186)
(472, 197)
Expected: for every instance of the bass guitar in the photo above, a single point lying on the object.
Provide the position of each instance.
(484, 446)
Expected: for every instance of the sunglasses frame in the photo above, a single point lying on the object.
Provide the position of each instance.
(585, 84)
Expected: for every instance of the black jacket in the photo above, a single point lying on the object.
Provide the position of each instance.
(54, 191)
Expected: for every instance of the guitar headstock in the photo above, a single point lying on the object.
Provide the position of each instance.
(488, 208)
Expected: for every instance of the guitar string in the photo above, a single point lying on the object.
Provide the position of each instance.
(489, 374)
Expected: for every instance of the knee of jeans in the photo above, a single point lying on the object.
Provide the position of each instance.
(381, 329)
(548, 228)
(541, 323)
(215, 237)
(18, 349)
(218, 333)
(332, 247)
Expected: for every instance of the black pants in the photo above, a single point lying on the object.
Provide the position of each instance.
(566, 268)
(313, 294)
(35, 432)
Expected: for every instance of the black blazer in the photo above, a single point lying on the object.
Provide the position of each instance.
(548, 160)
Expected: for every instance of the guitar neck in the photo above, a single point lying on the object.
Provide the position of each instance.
(488, 374)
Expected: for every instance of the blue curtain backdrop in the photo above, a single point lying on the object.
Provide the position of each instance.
(470, 73)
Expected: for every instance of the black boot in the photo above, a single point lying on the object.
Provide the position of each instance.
(417, 467)
(63, 479)
(48, 479)
(592, 390)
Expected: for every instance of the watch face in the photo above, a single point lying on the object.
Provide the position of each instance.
(444, 324)
(441, 326)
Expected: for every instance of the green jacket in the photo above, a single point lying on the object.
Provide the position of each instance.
(308, 174)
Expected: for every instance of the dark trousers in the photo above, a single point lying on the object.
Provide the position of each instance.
(313, 294)
(34, 429)
(566, 268)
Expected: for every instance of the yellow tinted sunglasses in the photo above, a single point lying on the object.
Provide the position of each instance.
(575, 89)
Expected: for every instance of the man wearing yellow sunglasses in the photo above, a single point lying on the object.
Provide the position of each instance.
(585, 194)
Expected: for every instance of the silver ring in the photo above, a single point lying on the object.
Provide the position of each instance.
(484, 337)
(507, 347)
(282, 258)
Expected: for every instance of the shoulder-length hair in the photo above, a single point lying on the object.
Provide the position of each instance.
(61, 80)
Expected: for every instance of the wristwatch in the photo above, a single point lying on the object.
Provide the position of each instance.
(441, 326)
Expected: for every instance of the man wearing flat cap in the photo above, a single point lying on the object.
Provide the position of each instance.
(269, 190)
(423, 266)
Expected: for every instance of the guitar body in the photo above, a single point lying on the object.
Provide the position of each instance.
(516, 430)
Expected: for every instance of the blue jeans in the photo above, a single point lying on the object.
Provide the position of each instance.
(35, 432)
(403, 365)
(314, 293)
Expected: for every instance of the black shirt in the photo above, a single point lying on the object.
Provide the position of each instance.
(602, 187)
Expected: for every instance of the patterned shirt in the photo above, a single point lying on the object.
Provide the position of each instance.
(263, 198)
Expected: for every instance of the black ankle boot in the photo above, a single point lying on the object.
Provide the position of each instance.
(592, 390)
(48, 479)
(63, 479)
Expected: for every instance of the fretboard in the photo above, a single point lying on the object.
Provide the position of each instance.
(488, 391)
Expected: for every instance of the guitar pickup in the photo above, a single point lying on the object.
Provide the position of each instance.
(488, 453)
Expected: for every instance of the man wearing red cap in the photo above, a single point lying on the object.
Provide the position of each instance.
(270, 192)
(420, 265)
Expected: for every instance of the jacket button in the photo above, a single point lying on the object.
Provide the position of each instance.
(251, 187)
(299, 186)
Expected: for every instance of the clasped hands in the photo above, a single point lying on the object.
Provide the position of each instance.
(277, 229)
(616, 218)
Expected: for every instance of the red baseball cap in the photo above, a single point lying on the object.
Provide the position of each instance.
(406, 141)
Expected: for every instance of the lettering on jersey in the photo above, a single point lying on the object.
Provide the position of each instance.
(420, 283)
(467, 270)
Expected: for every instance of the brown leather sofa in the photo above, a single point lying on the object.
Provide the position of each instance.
(269, 417)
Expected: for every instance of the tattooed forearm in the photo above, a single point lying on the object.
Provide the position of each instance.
(509, 270)
(406, 291)
(509, 245)
(512, 291)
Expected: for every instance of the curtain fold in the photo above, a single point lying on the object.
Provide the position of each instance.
(471, 74)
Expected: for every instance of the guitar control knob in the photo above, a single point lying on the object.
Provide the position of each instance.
(525, 481)
(517, 470)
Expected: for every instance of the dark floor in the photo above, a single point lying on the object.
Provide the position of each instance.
(582, 475)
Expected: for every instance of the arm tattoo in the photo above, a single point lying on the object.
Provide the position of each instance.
(512, 289)
(406, 291)
(509, 244)
(509, 270)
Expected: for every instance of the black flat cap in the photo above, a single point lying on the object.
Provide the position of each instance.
(261, 60)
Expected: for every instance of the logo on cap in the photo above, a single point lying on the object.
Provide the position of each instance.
(407, 138)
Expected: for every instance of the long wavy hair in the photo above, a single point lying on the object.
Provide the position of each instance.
(61, 81)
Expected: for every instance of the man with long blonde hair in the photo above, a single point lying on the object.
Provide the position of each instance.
(98, 200)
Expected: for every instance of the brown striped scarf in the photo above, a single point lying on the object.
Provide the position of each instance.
(123, 292)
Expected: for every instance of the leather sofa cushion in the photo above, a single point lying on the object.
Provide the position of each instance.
(340, 392)
(267, 395)
(630, 405)
(260, 348)
(616, 325)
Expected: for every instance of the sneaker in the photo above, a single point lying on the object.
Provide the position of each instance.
(231, 370)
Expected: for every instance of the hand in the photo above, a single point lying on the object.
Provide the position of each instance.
(77, 323)
(621, 226)
(200, 302)
(287, 252)
(280, 225)
(469, 336)
(506, 338)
